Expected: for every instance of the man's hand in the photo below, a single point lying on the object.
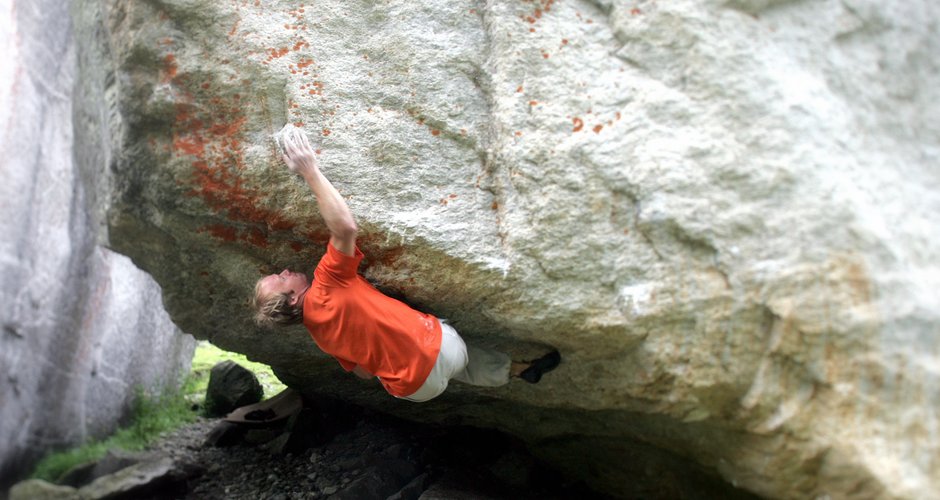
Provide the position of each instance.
(298, 155)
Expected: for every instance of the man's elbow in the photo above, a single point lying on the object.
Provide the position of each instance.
(343, 237)
(347, 231)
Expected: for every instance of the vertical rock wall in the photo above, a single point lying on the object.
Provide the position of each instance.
(722, 212)
(83, 329)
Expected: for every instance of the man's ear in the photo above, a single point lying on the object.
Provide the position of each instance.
(294, 298)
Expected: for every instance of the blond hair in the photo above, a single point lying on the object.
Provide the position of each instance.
(275, 310)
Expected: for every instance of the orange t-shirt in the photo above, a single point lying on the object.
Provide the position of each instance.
(358, 325)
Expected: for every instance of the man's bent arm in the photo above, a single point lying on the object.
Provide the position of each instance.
(299, 158)
(335, 212)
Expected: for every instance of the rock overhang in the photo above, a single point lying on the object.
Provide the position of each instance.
(665, 193)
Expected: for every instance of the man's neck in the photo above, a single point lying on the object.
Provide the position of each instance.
(302, 295)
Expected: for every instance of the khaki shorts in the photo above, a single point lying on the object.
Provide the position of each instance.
(451, 361)
(469, 364)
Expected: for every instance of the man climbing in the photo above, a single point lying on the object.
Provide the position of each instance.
(413, 354)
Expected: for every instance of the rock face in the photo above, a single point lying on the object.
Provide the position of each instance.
(83, 329)
(722, 213)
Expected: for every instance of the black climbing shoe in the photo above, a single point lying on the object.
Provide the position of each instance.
(540, 366)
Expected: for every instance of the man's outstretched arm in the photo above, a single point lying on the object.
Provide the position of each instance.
(300, 158)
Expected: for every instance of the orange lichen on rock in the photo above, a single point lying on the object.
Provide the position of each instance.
(276, 53)
(542, 7)
(578, 124)
(169, 68)
(220, 231)
(190, 145)
(210, 135)
(376, 248)
(313, 91)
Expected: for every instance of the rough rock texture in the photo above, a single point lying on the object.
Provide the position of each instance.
(723, 213)
(83, 329)
(132, 481)
(37, 489)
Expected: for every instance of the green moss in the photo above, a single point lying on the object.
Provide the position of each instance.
(208, 355)
(152, 416)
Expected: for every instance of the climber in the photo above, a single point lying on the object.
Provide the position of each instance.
(413, 354)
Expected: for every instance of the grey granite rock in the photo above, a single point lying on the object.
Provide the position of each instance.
(82, 329)
(133, 481)
(722, 213)
(37, 489)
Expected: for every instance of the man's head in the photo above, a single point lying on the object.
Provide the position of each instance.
(278, 298)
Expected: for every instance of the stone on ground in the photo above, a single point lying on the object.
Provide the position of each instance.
(134, 481)
(37, 489)
(231, 386)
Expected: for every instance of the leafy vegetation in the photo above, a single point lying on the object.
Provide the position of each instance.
(152, 416)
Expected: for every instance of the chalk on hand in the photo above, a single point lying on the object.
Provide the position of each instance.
(288, 134)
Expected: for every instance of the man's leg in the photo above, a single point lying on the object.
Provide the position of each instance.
(485, 367)
(451, 360)
(489, 368)
(475, 366)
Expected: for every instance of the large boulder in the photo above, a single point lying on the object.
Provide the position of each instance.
(82, 330)
(722, 213)
(231, 386)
